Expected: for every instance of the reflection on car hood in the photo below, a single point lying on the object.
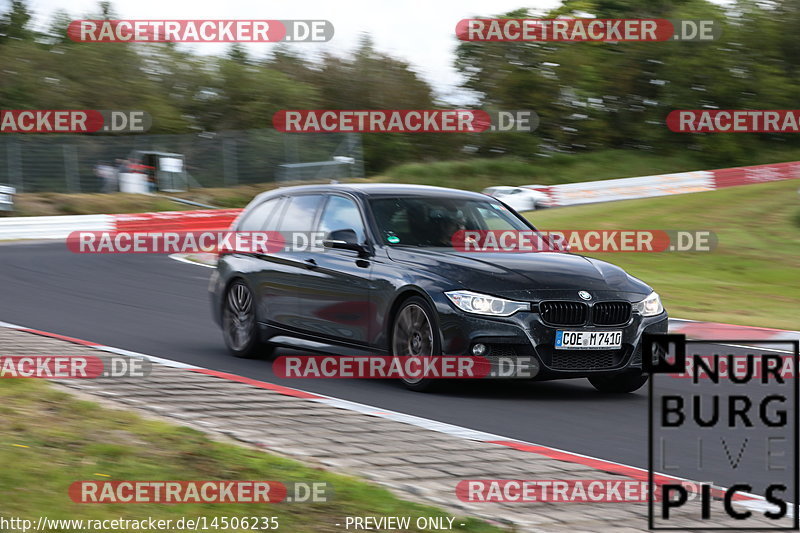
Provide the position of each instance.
(523, 273)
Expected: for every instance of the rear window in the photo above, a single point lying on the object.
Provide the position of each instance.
(299, 214)
(258, 217)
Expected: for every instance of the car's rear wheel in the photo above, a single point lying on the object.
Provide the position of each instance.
(239, 325)
(619, 383)
(413, 335)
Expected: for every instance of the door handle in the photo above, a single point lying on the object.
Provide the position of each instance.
(310, 263)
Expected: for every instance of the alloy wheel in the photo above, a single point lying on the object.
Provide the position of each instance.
(413, 335)
(239, 316)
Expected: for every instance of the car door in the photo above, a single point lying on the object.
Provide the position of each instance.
(281, 274)
(252, 264)
(334, 300)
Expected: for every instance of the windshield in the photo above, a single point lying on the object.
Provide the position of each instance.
(432, 221)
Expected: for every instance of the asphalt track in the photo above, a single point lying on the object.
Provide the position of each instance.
(158, 306)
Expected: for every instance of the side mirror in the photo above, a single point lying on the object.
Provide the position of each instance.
(344, 239)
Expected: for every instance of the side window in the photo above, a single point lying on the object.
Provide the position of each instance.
(299, 214)
(393, 220)
(274, 218)
(342, 213)
(257, 218)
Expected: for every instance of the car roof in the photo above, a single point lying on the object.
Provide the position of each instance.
(376, 190)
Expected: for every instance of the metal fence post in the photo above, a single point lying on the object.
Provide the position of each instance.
(357, 152)
(229, 162)
(14, 166)
(71, 168)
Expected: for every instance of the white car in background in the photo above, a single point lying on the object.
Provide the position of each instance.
(523, 198)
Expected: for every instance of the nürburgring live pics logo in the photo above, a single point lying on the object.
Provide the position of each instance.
(731, 418)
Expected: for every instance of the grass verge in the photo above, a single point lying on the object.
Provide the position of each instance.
(478, 173)
(751, 278)
(53, 203)
(49, 439)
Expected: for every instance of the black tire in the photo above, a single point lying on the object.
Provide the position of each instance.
(622, 383)
(239, 324)
(410, 336)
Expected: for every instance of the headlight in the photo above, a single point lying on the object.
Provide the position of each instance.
(650, 306)
(482, 304)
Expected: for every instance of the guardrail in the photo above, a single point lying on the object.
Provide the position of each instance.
(55, 227)
(59, 227)
(667, 184)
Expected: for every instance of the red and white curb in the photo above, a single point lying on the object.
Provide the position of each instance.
(667, 184)
(59, 227)
(750, 501)
(729, 332)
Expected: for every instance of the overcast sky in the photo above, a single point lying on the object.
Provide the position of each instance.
(421, 32)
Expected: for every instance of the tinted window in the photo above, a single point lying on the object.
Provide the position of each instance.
(256, 219)
(299, 214)
(274, 218)
(432, 221)
(342, 213)
(492, 218)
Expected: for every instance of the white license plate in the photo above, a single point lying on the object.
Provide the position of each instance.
(588, 340)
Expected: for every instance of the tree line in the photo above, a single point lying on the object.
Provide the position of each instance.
(589, 96)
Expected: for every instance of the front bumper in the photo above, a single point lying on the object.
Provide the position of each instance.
(524, 334)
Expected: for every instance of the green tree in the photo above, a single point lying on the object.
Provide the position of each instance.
(14, 22)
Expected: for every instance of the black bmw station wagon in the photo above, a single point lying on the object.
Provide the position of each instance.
(388, 280)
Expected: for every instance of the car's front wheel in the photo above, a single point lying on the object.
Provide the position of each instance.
(239, 325)
(413, 334)
(619, 383)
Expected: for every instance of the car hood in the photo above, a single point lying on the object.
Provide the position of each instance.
(524, 275)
